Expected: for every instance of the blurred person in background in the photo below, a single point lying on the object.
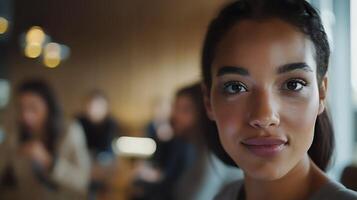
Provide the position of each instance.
(160, 130)
(183, 168)
(149, 173)
(204, 174)
(100, 129)
(44, 159)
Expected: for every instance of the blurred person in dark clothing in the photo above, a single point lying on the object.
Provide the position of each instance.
(180, 166)
(100, 130)
(160, 130)
(204, 174)
(159, 177)
(43, 159)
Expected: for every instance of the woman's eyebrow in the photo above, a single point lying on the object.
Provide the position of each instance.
(294, 66)
(232, 70)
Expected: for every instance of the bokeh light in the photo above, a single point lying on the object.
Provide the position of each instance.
(135, 146)
(35, 35)
(35, 38)
(52, 55)
(33, 50)
(4, 25)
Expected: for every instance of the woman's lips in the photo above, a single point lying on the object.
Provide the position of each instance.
(264, 146)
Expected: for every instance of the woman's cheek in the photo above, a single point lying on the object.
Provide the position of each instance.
(298, 119)
(229, 117)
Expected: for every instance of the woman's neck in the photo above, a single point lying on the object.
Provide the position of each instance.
(300, 183)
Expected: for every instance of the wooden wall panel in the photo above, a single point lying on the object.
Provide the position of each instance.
(134, 50)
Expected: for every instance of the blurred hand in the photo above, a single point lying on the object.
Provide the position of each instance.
(36, 151)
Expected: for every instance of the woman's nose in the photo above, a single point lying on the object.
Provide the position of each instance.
(264, 111)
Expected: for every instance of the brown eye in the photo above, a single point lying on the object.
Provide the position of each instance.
(234, 87)
(295, 85)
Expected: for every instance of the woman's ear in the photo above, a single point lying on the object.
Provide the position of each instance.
(322, 94)
(207, 101)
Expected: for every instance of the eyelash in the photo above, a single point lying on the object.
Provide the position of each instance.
(296, 80)
(240, 85)
(243, 88)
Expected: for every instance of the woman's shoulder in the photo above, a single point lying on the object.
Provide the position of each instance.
(230, 191)
(72, 135)
(74, 129)
(334, 190)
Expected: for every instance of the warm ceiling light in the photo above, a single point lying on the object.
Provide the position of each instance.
(51, 62)
(33, 50)
(35, 35)
(4, 25)
(52, 55)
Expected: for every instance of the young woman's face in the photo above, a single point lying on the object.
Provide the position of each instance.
(265, 97)
(33, 111)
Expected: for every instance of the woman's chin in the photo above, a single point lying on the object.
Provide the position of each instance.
(266, 173)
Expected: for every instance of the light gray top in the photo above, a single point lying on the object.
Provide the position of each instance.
(330, 191)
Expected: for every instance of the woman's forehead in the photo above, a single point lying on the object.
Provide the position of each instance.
(264, 44)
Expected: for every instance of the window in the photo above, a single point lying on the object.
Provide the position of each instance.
(353, 13)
